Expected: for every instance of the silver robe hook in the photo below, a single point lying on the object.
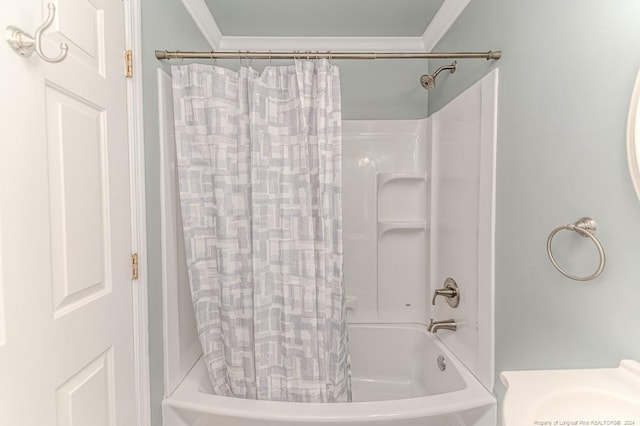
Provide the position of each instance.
(24, 45)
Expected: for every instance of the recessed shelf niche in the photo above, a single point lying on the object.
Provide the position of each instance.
(402, 245)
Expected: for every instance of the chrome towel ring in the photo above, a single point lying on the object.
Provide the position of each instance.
(585, 227)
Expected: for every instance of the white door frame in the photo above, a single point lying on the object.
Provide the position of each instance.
(132, 12)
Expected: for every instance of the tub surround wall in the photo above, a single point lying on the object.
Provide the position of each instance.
(462, 218)
(181, 344)
(418, 208)
(385, 219)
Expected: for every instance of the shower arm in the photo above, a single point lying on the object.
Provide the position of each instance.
(451, 67)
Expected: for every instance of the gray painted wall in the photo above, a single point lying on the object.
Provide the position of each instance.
(385, 89)
(566, 77)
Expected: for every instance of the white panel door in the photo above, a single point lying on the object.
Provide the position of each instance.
(66, 328)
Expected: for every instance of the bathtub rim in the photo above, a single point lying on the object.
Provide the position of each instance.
(188, 397)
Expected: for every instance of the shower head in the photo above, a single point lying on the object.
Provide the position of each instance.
(428, 81)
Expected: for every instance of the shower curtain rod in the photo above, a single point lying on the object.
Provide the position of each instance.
(176, 54)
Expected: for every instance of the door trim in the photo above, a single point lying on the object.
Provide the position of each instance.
(132, 13)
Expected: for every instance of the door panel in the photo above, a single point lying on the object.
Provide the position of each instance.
(2, 308)
(87, 397)
(65, 276)
(81, 24)
(77, 186)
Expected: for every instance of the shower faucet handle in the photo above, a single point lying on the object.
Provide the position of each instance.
(450, 291)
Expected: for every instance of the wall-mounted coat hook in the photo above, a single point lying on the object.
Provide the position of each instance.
(24, 45)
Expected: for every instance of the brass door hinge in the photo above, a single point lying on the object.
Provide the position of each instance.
(128, 61)
(134, 266)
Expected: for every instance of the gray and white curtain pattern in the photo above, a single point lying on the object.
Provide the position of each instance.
(259, 161)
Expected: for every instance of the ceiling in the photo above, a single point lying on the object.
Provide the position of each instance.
(318, 18)
(337, 25)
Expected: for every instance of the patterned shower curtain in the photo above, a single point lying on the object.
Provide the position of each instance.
(259, 163)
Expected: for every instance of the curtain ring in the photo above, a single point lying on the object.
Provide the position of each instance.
(240, 57)
(585, 227)
(269, 57)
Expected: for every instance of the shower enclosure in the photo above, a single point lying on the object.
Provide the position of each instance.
(418, 208)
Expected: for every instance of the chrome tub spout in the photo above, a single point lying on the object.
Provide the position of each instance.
(434, 326)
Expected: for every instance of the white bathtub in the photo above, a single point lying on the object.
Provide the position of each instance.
(396, 381)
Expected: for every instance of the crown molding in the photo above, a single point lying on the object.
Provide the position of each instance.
(442, 21)
(334, 44)
(204, 21)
